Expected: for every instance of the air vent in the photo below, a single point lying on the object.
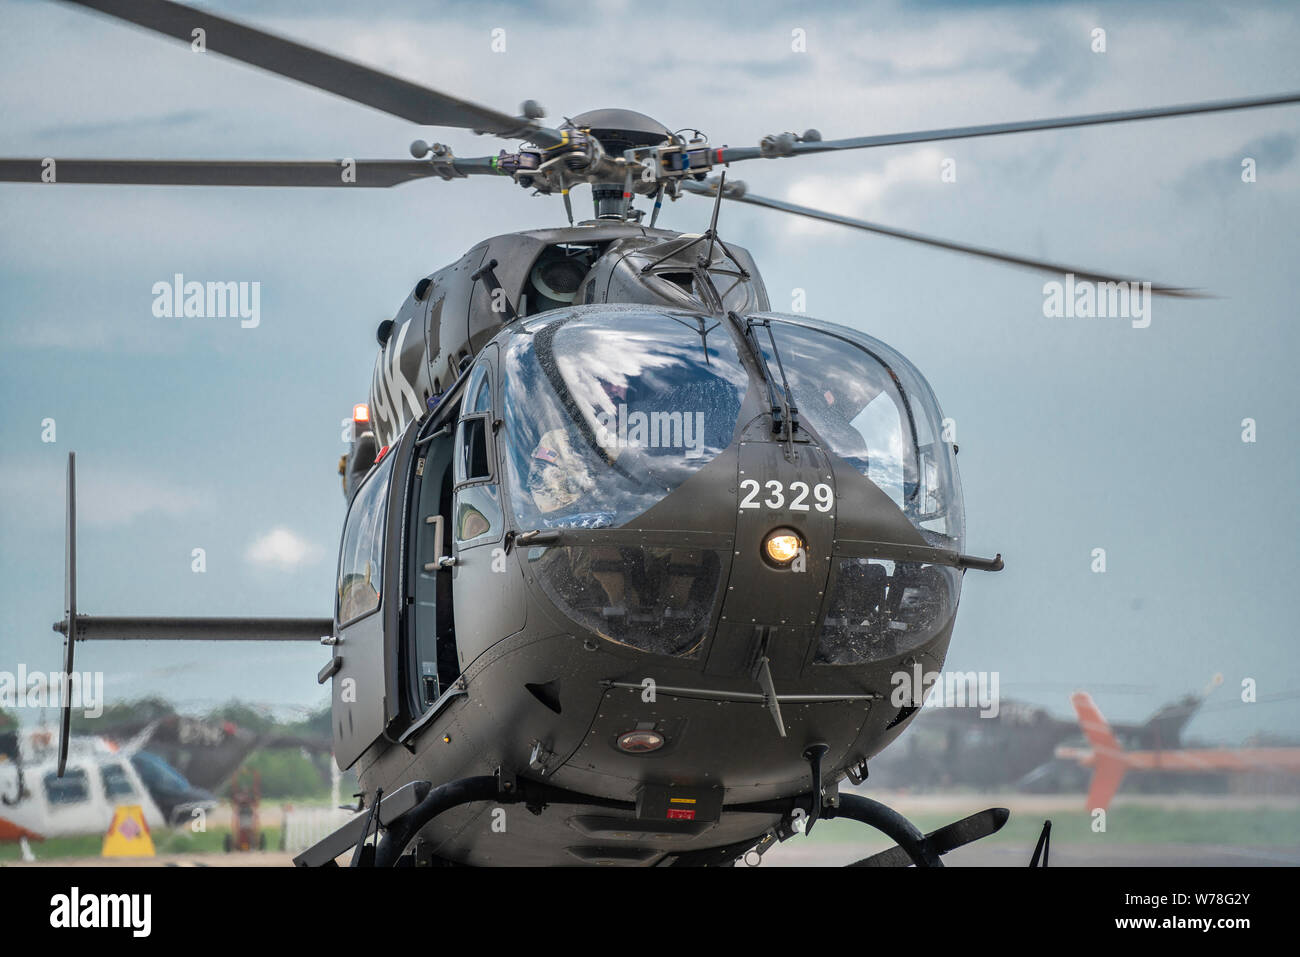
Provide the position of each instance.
(548, 694)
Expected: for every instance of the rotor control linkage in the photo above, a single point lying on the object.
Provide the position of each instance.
(775, 145)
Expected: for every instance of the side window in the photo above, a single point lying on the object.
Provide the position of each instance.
(72, 788)
(472, 463)
(478, 391)
(478, 516)
(361, 563)
(116, 782)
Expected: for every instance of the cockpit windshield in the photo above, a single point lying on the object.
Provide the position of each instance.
(873, 409)
(606, 412)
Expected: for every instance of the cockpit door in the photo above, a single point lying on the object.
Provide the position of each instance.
(368, 607)
(431, 630)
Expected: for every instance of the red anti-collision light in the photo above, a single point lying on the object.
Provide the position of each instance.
(361, 413)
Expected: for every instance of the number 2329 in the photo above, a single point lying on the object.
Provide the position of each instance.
(823, 496)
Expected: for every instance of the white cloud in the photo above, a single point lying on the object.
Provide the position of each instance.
(860, 195)
(282, 548)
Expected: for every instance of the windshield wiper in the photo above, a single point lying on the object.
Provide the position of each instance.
(785, 414)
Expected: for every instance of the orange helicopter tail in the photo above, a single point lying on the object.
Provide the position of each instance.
(1108, 764)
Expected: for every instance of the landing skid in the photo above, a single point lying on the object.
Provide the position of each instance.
(401, 815)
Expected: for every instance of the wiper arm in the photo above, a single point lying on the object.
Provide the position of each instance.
(785, 414)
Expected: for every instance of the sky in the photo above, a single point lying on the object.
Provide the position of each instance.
(1074, 434)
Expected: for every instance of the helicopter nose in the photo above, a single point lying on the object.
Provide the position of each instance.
(785, 530)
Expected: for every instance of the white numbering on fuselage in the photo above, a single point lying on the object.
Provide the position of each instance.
(775, 494)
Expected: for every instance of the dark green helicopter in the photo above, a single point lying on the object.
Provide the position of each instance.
(623, 546)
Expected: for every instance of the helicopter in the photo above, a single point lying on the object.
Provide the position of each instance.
(623, 545)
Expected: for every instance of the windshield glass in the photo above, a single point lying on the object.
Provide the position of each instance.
(607, 412)
(873, 409)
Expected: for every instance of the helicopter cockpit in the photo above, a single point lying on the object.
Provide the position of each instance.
(613, 470)
(607, 412)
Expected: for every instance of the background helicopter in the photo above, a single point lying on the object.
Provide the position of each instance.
(702, 285)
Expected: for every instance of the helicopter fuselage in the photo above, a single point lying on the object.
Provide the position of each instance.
(553, 574)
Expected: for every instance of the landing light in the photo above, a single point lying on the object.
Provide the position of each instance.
(781, 546)
(640, 742)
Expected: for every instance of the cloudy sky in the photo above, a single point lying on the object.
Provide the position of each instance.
(1075, 434)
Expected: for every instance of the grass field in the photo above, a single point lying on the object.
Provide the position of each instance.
(211, 841)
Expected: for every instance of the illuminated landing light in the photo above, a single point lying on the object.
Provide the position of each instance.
(781, 546)
(640, 742)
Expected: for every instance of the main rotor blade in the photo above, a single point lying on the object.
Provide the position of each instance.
(358, 173)
(356, 82)
(779, 146)
(739, 195)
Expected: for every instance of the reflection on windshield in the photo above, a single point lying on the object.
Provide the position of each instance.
(606, 413)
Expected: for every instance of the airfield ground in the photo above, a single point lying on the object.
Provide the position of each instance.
(1191, 830)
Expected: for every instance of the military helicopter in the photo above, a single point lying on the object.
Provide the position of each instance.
(623, 545)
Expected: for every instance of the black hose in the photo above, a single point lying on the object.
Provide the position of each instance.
(442, 798)
(890, 823)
